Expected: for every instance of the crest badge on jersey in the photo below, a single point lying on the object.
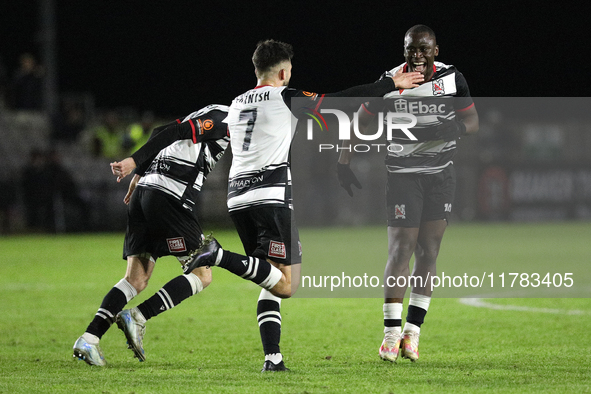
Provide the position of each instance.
(438, 89)
(401, 105)
(277, 249)
(400, 211)
(176, 245)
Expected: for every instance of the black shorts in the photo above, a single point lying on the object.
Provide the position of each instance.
(415, 198)
(158, 224)
(269, 233)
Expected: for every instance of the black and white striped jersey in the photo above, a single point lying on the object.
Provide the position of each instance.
(445, 94)
(261, 129)
(179, 156)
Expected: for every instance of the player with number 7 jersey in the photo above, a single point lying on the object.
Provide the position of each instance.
(259, 188)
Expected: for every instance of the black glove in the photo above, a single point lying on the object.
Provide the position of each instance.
(347, 178)
(450, 129)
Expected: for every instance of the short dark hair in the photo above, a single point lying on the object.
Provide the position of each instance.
(270, 53)
(417, 29)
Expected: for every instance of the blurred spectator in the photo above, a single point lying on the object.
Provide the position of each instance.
(138, 133)
(108, 137)
(50, 193)
(37, 195)
(69, 123)
(26, 86)
(65, 195)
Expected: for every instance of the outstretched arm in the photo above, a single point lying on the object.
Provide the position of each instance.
(161, 137)
(172, 133)
(399, 80)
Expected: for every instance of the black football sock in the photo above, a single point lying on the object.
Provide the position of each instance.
(418, 305)
(254, 269)
(416, 315)
(170, 295)
(269, 318)
(112, 304)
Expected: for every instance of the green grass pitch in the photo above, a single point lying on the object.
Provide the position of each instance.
(51, 286)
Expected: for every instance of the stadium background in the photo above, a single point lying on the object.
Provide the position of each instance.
(171, 59)
(174, 57)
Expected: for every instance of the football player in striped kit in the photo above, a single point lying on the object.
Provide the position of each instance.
(259, 189)
(170, 170)
(421, 181)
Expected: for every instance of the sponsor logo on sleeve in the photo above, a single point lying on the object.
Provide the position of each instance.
(207, 124)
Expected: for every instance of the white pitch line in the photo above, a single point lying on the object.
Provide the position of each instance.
(480, 303)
